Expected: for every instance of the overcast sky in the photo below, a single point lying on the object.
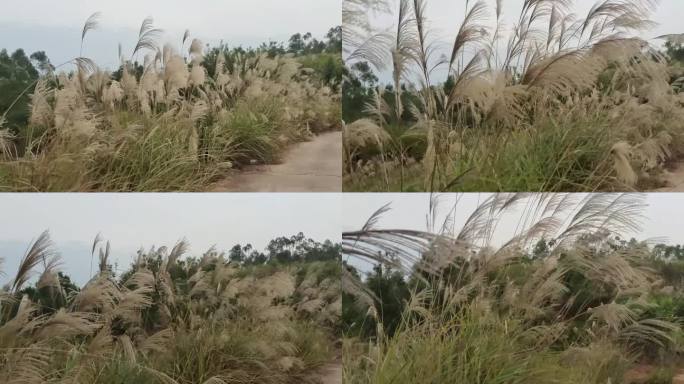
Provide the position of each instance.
(445, 17)
(55, 26)
(662, 216)
(130, 221)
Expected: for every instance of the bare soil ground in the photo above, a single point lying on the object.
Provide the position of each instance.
(330, 373)
(641, 373)
(674, 177)
(313, 166)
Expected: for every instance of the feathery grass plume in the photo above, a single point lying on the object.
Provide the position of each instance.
(104, 259)
(378, 107)
(424, 52)
(650, 332)
(107, 328)
(198, 75)
(356, 45)
(93, 22)
(176, 75)
(64, 324)
(100, 294)
(186, 34)
(103, 125)
(49, 278)
(621, 153)
(29, 365)
(361, 133)
(6, 141)
(403, 51)
(540, 57)
(39, 251)
(196, 51)
(147, 37)
(128, 349)
(41, 111)
(538, 308)
(470, 30)
(158, 342)
(176, 253)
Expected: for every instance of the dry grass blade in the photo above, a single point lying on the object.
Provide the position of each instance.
(104, 258)
(147, 38)
(605, 212)
(93, 22)
(674, 38)
(470, 30)
(177, 252)
(185, 36)
(7, 138)
(399, 248)
(39, 251)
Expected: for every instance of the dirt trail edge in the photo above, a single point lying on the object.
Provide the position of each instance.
(330, 373)
(312, 166)
(674, 178)
(642, 374)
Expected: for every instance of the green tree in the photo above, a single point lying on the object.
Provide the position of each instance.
(675, 50)
(236, 254)
(17, 78)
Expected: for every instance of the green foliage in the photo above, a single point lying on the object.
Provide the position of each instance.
(359, 80)
(305, 44)
(390, 292)
(299, 248)
(548, 156)
(478, 347)
(666, 306)
(17, 76)
(675, 51)
(328, 68)
(50, 299)
(661, 376)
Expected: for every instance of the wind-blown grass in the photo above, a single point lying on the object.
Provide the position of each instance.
(168, 319)
(564, 103)
(573, 311)
(165, 124)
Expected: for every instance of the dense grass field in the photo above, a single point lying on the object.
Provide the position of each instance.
(547, 100)
(165, 120)
(566, 299)
(242, 317)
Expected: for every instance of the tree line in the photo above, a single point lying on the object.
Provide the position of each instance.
(19, 71)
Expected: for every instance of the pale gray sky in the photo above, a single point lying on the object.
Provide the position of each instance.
(55, 26)
(662, 216)
(133, 220)
(445, 17)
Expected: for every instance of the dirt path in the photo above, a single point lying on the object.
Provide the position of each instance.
(674, 178)
(313, 166)
(330, 373)
(679, 378)
(642, 373)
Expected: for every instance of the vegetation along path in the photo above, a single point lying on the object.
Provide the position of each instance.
(313, 166)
